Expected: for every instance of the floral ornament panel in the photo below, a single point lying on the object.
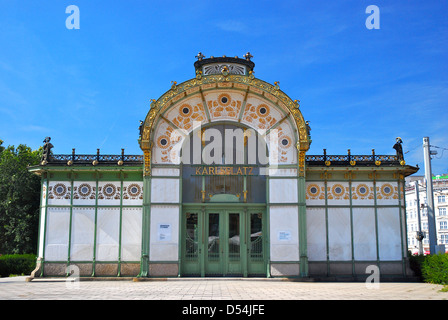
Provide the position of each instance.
(166, 138)
(282, 138)
(338, 192)
(362, 191)
(259, 115)
(133, 191)
(224, 105)
(59, 190)
(387, 191)
(287, 151)
(109, 191)
(84, 191)
(185, 113)
(315, 192)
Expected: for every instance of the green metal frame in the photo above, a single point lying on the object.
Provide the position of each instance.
(387, 176)
(97, 175)
(222, 266)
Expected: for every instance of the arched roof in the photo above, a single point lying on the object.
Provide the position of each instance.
(201, 83)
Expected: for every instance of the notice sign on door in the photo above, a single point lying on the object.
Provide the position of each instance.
(164, 232)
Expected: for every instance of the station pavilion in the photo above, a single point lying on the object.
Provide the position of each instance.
(223, 187)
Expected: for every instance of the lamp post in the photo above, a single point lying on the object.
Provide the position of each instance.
(429, 197)
(419, 234)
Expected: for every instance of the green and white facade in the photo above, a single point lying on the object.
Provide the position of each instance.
(158, 215)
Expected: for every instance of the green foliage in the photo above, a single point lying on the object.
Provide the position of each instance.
(415, 263)
(435, 268)
(19, 199)
(17, 264)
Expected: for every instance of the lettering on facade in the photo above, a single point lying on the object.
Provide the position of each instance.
(224, 171)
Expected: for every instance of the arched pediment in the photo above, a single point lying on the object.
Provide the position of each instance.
(234, 98)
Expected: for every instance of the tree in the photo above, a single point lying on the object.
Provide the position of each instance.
(19, 200)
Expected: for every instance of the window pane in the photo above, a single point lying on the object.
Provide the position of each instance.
(213, 237)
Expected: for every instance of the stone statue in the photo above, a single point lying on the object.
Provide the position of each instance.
(308, 128)
(398, 147)
(140, 128)
(47, 148)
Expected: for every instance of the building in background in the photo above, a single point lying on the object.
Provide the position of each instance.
(440, 188)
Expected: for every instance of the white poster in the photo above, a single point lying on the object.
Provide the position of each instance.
(164, 232)
(284, 235)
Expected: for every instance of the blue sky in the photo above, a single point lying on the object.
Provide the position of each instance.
(359, 88)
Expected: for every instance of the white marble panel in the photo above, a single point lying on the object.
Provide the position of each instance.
(389, 236)
(164, 248)
(282, 172)
(316, 234)
(171, 172)
(284, 233)
(131, 234)
(42, 218)
(364, 234)
(283, 191)
(339, 234)
(165, 190)
(315, 193)
(108, 232)
(83, 230)
(56, 242)
(133, 193)
(59, 193)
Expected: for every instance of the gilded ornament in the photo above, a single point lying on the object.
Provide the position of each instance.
(301, 163)
(327, 163)
(378, 162)
(352, 162)
(200, 56)
(276, 85)
(225, 71)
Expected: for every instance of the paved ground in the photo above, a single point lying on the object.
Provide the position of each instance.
(213, 289)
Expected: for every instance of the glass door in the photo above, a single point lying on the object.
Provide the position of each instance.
(192, 244)
(213, 244)
(234, 245)
(256, 244)
(223, 242)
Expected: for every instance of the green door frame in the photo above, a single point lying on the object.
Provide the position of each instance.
(224, 265)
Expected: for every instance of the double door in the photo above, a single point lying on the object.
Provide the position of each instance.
(225, 242)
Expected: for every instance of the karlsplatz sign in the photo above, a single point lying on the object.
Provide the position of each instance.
(225, 171)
